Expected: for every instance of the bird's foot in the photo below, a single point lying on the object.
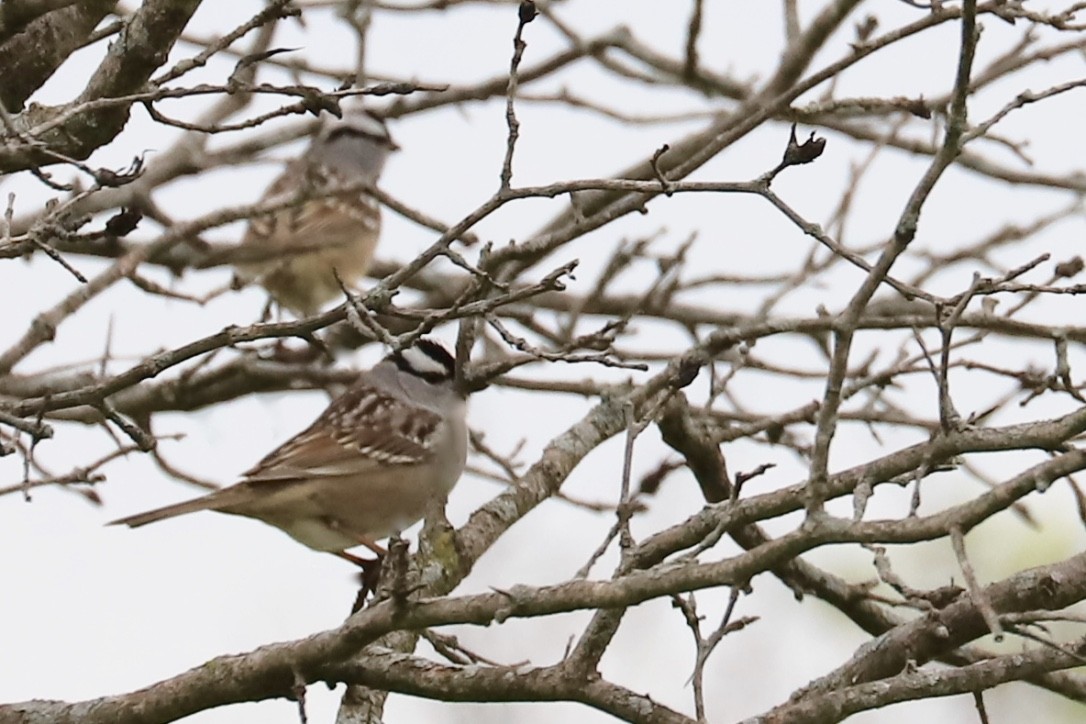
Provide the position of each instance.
(369, 576)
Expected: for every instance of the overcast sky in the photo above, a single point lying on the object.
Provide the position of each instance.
(90, 610)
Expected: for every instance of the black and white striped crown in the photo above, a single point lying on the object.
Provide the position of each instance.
(358, 124)
(427, 359)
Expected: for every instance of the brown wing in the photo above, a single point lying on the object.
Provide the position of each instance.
(362, 429)
(310, 218)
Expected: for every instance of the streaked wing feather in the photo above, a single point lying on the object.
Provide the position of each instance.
(362, 429)
(352, 209)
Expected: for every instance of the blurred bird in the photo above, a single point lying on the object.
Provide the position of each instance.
(310, 243)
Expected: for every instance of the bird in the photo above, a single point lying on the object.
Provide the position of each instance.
(365, 469)
(309, 244)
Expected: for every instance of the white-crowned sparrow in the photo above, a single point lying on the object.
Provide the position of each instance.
(338, 232)
(366, 468)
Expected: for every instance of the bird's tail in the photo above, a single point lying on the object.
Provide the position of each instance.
(189, 506)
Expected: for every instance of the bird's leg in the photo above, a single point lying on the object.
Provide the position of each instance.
(362, 563)
(369, 576)
(374, 546)
(371, 568)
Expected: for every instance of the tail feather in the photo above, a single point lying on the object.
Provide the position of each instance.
(207, 502)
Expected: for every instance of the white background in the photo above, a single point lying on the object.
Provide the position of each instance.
(89, 610)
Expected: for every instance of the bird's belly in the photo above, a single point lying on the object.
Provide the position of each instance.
(317, 534)
(335, 513)
(375, 507)
(309, 281)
